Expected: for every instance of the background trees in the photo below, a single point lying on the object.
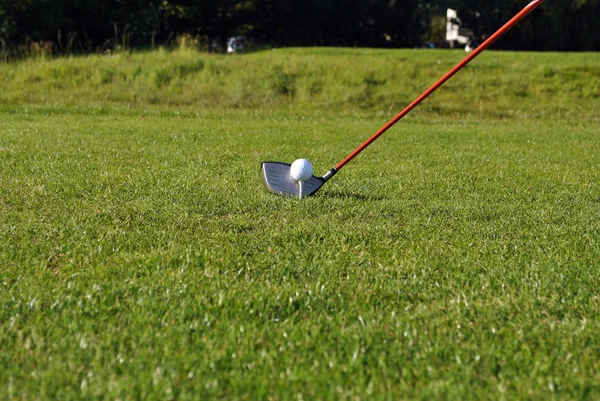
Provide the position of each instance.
(89, 25)
(556, 25)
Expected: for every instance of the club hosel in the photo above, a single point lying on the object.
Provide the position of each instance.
(330, 174)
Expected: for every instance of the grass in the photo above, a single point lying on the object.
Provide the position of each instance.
(538, 84)
(140, 258)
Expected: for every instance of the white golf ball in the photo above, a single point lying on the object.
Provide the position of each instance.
(301, 170)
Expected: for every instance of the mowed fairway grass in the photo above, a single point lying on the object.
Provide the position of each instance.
(457, 258)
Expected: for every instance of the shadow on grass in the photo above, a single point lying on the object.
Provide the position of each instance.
(349, 195)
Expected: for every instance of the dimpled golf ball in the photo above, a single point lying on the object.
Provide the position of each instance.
(301, 170)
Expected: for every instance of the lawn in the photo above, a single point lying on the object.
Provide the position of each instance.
(457, 258)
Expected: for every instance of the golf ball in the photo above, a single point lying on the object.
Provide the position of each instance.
(301, 170)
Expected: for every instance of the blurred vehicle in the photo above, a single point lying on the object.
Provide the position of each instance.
(426, 45)
(237, 44)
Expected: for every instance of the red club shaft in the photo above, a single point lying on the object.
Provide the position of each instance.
(522, 14)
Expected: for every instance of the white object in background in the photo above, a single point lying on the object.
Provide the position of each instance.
(453, 28)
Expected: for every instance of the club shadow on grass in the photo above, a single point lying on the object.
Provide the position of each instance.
(348, 195)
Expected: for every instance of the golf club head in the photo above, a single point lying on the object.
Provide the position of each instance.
(278, 180)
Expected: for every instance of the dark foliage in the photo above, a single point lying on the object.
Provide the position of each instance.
(91, 25)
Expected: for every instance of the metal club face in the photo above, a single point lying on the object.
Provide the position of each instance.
(277, 179)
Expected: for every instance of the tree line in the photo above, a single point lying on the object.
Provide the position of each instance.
(90, 25)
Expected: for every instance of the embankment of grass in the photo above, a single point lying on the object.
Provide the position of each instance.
(496, 84)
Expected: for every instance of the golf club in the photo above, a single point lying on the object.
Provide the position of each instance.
(276, 175)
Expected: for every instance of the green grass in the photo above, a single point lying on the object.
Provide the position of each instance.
(496, 85)
(456, 258)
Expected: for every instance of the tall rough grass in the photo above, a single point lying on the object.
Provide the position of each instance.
(496, 85)
(74, 44)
